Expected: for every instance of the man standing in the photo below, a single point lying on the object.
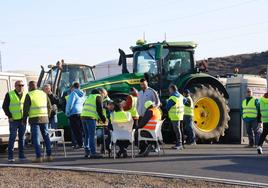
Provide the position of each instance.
(146, 94)
(92, 111)
(250, 112)
(188, 117)
(264, 119)
(151, 116)
(37, 106)
(13, 108)
(175, 110)
(74, 108)
(54, 100)
(131, 106)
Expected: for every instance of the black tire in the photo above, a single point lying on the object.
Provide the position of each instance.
(201, 91)
(3, 148)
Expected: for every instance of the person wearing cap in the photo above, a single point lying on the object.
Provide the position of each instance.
(91, 113)
(13, 108)
(264, 120)
(151, 116)
(175, 108)
(250, 114)
(146, 94)
(188, 117)
(130, 105)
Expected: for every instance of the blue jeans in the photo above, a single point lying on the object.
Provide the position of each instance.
(89, 127)
(253, 131)
(43, 128)
(189, 128)
(15, 127)
(52, 123)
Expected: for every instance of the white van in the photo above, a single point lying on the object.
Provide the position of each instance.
(7, 83)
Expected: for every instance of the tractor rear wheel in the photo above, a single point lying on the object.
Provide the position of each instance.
(210, 113)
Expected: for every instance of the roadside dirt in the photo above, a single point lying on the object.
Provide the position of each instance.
(26, 177)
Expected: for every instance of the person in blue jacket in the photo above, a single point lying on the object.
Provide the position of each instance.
(73, 110)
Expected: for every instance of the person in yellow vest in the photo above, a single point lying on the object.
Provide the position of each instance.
(175, 108)
(188, 117)
(250, 113)
(264, 120)
(120, 116)
(92, 111)
(37, 107)
(151, 116)
(13, 108)
(130, 105)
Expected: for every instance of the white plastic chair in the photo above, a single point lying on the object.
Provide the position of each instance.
(156, 135)
(55, 136)
(123, 131)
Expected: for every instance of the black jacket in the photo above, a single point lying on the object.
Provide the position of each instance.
(6, 104)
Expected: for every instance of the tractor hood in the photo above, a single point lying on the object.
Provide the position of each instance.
(119, 83)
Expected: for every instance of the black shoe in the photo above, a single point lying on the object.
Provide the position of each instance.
(96, 156)
(125, 154)
(118, 154)
(86, 156)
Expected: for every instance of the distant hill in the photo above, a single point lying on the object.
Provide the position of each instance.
(254, 63)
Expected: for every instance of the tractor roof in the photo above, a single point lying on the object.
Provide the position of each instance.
(187, 44)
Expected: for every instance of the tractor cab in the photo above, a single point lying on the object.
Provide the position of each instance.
(163, 63)
(63, 75)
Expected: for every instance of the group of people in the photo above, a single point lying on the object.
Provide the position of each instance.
(85, 113)
(255, 117)
(143, 108)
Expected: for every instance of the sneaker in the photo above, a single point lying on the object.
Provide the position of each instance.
(11, 160)
(86, 156)
(148, 150)
(177, 147)
(38, 160)
(23, 159)
(49, 159)
(259, 150)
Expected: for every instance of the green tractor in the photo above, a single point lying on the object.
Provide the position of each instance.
(164, 63)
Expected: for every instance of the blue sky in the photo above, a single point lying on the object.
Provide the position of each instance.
(90, 32)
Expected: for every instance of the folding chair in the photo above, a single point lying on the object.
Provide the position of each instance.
(55, 136)
(123, 131)
(156, 135)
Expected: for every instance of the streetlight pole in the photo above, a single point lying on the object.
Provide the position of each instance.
(1, 67)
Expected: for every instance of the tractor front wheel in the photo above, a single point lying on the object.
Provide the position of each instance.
(210, 113)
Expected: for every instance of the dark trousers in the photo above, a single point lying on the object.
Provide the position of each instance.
(176, 125)
(122, 144)
(264, 134)
(77, 128)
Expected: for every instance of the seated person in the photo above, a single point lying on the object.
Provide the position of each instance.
(120, 116)
(149, 120)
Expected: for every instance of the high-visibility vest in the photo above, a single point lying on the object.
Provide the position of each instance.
(133, 110)
(38, 104)
(176, 112)
(16, 105)
(120, 117)
(89, 108)
(264, 109)
(250, 109)
(189, 110)
(154, 119)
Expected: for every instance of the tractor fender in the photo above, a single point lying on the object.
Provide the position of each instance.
(204, 79)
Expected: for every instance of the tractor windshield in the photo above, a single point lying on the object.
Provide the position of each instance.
(145, 61)
(176, 63)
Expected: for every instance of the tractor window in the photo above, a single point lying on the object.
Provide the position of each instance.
(176, 63)
(145, 61)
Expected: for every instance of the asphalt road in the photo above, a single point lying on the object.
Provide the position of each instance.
(217, 161)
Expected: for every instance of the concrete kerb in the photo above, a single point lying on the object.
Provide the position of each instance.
(140, 173)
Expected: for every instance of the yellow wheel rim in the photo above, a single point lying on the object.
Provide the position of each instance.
(206, 114)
